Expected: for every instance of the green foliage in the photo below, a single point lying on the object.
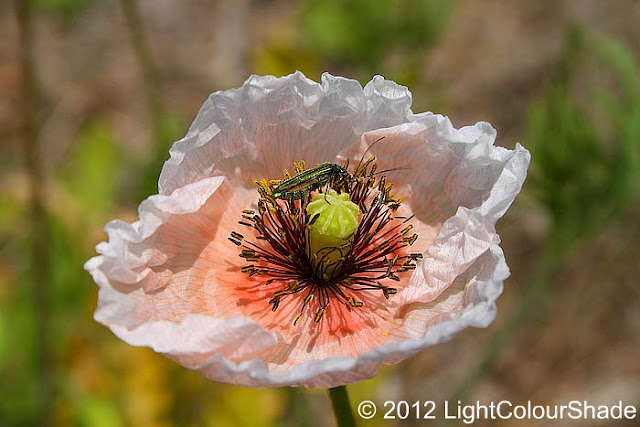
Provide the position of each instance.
(98, 412)
(168, 129)
(91, 173)
(232, 407)
(67, 280)
(17, 365)
(364, 32)
(4, 338)
(284, 55)
(77, 202)
(65, 8)
(586, 146)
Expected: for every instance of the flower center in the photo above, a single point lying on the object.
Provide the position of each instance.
(327, 234)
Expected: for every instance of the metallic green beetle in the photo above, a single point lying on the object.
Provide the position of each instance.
(305, 182)
(309, 180)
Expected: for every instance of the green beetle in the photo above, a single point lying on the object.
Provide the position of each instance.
(309, 180)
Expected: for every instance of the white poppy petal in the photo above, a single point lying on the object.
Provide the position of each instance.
(173, 281)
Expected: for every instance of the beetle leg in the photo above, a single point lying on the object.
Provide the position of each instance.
(325, 192)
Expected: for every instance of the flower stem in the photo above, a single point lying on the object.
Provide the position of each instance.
(341, 408)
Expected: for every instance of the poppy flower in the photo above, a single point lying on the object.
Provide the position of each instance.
(306, 234)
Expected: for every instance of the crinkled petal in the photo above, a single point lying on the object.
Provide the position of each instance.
(149, 292)
(470, 301)
(269, 123)
(455, 180)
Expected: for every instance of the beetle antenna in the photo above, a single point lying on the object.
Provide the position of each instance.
(366, 151)
(401, 168)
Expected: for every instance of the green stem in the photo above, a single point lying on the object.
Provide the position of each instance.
(341, 408)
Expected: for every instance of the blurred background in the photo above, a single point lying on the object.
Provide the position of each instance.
(93, 92)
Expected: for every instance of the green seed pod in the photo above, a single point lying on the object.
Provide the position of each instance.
(333, 222)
